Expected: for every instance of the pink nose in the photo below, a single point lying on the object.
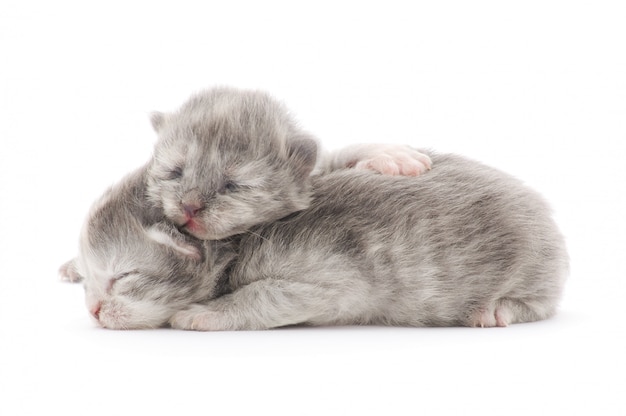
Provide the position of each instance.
(95, 310)
(191, 209)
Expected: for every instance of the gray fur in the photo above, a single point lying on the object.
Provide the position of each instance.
(237, 157)
(131, 279)
(230, 159)
(463, 245)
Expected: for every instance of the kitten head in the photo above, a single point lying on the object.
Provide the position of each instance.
(137, 272)
(228, 160)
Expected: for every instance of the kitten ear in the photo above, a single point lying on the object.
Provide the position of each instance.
(169, 236)
(302, 155)
(157, 119)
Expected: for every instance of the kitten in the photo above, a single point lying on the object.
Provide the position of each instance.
(138, 269)
(464, 245)
(230, 159)
(268, 158)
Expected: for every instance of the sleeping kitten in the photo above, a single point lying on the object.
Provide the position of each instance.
(463, 245)
(138, 269)
(230, 159)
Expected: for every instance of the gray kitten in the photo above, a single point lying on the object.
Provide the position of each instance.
(230, 159)
(138, 269)
(464, 245)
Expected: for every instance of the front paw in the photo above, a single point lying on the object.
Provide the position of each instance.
(68, 272)
(198, 318)
(395, 160)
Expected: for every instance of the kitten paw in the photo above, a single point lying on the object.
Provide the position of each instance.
(491, 317)
(198, 318)
(68, 272)
(394, 160)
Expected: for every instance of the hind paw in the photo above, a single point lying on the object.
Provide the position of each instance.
(386, 159)
(499, 316)
(392, 160)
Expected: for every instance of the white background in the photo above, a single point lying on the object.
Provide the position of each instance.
(536, 88)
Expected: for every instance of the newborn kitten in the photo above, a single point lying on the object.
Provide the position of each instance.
(463, 245)
(137, 269)
(230, 159)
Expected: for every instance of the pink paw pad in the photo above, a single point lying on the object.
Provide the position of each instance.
(503, 316)
(381, 164)
(393, 160)
(394, 165)
(489, 318)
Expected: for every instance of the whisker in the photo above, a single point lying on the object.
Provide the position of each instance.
(258, 235)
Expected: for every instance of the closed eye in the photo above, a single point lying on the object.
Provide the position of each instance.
(122, 275)
(175, 173)
(232, 186)
(117, 278)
